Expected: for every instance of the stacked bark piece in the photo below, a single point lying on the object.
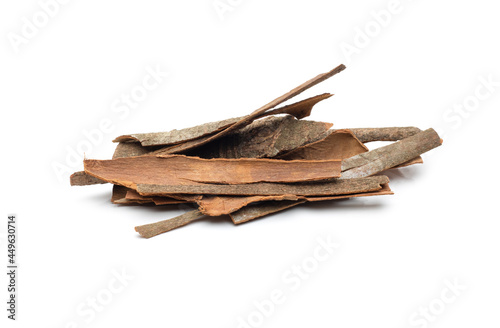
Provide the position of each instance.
(251, 166)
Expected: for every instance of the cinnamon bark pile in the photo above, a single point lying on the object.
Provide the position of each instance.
(254, 165)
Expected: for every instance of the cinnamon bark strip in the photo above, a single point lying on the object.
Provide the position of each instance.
(154, 229)
(384, 158)
(258, 210)
(266, 137)
(299, 110)
(384, 134)
(184, 170)
(249, 118)
(329, 188)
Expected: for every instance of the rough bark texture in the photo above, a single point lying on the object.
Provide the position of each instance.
(384, 158)
(184, 170)
(384, 134)
(340, 144)
(267, 137)
(83, 179)
(154, 229)
(329, 188)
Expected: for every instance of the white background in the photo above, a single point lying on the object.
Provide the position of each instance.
(397, 253)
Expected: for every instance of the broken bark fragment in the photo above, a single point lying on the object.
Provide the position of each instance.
(384, 158)
(83, 179)
(329, 188)
(266, 137)
(384, 134)
(154, 229)
(184, 170)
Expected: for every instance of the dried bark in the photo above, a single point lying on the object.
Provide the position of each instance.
(384, 134)
(183, 170)
(254, 115)
(81, 178)
(384, 158)
(266, 137)
(340, 144)
(154, 229)
(328, 188)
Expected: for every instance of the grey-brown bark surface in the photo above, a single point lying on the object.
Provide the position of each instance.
(384, 134)
(384, 158)
(266, 137)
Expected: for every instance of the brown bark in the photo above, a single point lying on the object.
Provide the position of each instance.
(183, 170)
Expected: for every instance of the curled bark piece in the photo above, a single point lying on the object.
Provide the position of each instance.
(340, 144)
(384, 134)
(254, 211)
(83, 179)
(384, 158)
(257, 113)
(329, 188)
(266, 137)
(184, 170)
(154, 229)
